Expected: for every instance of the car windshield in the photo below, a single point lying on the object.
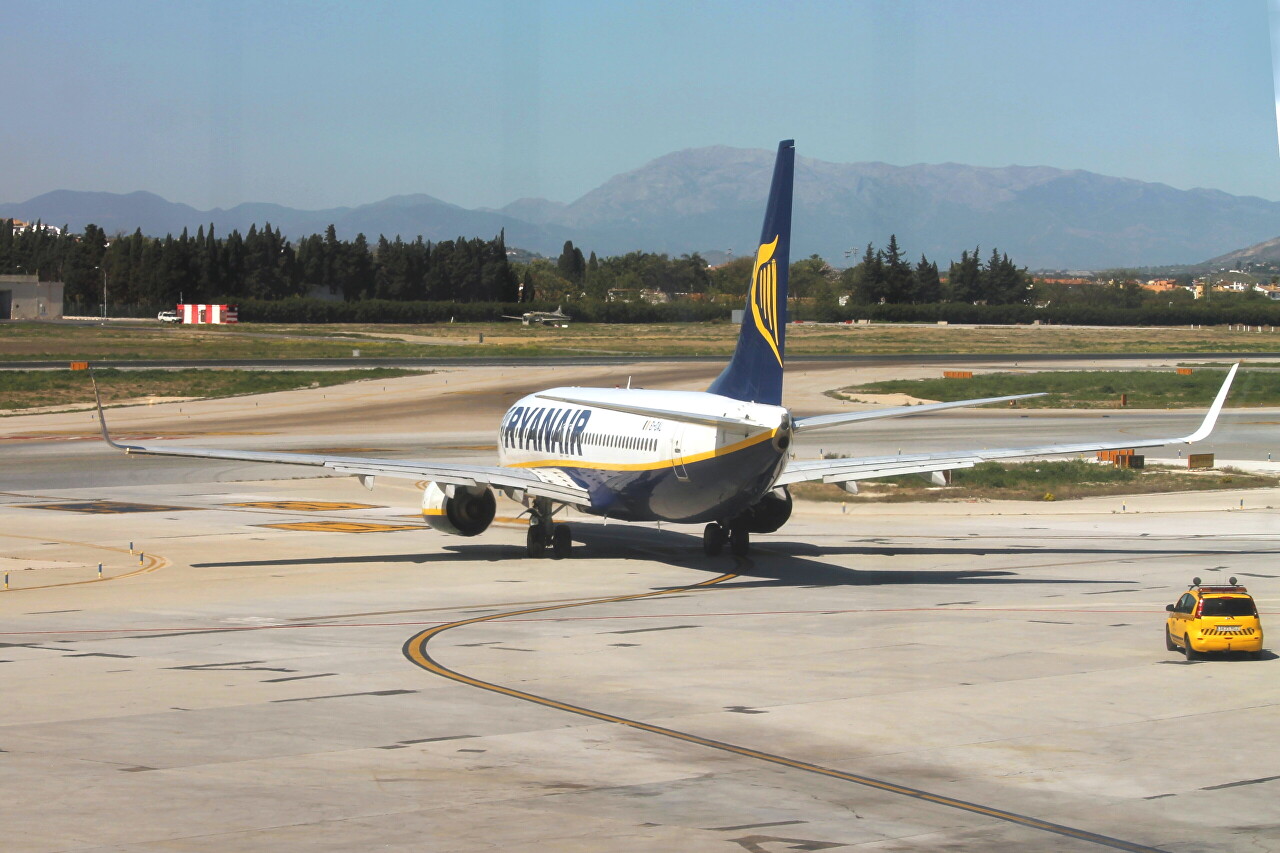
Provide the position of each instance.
(1228, 607)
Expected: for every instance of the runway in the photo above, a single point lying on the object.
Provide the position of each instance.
(957, 676)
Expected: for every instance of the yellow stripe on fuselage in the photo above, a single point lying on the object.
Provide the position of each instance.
(649, 466)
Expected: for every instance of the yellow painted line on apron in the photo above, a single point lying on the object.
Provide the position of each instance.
(341, 527)
(306, 506)
(150, 562)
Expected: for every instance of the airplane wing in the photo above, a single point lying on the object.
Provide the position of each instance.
(870, 468)
(544, 482)
(824, 421)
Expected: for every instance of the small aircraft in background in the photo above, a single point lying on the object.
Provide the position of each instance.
(557, 319)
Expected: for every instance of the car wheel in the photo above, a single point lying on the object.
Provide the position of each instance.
(1169, 644)
(1190, 652)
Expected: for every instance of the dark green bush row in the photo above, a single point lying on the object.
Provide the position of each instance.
(387, 311)
(1220, 313)
(1245, 312)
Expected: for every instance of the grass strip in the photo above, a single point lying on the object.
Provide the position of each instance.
(32, 341)
(1144, 389)
(1037, 481)
(25, 389)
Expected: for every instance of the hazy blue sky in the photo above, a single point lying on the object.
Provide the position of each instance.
(479, 103)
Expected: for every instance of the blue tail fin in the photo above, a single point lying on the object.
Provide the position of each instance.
(755, 372)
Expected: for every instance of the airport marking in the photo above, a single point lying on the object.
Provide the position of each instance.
(342, 527)
(415, 650)
(149, 563)
(306, 506)
(108, 507)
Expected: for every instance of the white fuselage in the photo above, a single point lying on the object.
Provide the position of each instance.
(641, 466)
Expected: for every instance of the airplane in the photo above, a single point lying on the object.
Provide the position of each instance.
(719, 457)
(556, 318)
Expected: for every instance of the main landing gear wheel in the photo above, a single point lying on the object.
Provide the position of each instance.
(561, 542)
(713, 539)
(536, 542)
(544, 534)
(739, 540)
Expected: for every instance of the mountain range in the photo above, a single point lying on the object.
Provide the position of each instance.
(1264, 254)
(710, 200)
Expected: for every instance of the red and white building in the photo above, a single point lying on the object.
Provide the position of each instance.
(205, 314)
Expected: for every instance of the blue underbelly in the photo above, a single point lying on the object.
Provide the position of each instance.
(715, 489)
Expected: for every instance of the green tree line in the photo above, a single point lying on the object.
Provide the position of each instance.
(419, 281)
(885, 276)
(259, 265)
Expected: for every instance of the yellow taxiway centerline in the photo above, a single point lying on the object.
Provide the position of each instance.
(415, 650)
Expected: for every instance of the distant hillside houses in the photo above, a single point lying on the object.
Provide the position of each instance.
(21, 227)
(1079, 279)
(1269, 290)
(1227, 281)
(1235, 281)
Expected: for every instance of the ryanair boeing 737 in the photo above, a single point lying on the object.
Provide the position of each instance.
(717, 457)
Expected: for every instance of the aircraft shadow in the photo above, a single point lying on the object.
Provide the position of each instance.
(771, 563)
(793, 564)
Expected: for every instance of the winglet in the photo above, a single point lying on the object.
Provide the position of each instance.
(1211, 417)
(102, 418)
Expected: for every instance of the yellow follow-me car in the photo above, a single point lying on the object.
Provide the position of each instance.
(1217, 618)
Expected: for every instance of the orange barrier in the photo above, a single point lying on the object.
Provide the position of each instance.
(957, 374)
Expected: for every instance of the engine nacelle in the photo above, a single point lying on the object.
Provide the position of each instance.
(769, 513)
(468, 513)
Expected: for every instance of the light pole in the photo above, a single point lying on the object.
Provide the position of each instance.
(104, 290)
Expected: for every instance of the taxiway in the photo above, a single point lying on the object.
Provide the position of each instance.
(292, 662)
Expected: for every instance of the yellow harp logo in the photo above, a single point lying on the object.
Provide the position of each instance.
(764, 295)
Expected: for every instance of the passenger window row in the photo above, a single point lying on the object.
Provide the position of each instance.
(627, 442)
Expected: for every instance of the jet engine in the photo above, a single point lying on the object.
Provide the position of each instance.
(468, 511)
(767, 514)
